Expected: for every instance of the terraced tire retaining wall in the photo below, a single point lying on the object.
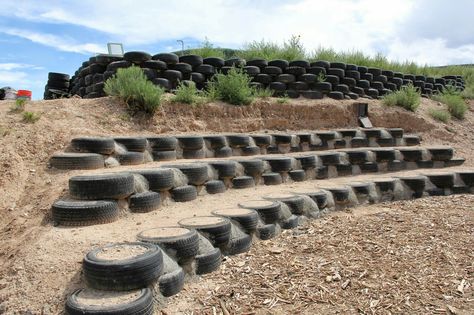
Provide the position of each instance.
(292, 78)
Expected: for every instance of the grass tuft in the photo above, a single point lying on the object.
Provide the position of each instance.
(30, 117)
(186, 93)
(407, 97)
(262, 93)
(454, 101)
(440, 114)
(131, 85)
(19, 105)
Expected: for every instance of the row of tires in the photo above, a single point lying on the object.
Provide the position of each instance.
(145, 189)
(292, 78)
(138, 150)
(124, 277)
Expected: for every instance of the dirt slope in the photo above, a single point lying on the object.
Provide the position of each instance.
(28, 187)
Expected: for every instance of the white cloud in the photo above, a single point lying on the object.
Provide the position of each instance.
(11, 65)
(60, 43)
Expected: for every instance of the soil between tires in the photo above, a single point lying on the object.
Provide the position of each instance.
(43, 262)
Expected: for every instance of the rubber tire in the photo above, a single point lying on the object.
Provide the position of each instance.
(442, 180)
(132, 143)
(101, 186)
(159, 179)
(218, 234)
(238, 245)
(168, 58)
(196, 173)
(266, 232)
(243, 182)
(290, 223)
(125, 274)
(94, 145)
(252, 167)
(223, 152)
(272, 179)
(248, 222)
(164, 155)
(280, 164)
(137, 57)
(82, 213)
(163, 143)
(208, 262)
(130, 158)
(77, 161)
(297, 175)
(144, 202)
(142, 305)
(215, 187)
(238, 141)
(171, 283)
(191, 142)
(270, 214)
(184, 193)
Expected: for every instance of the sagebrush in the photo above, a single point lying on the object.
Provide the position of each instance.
(453, 99)
(440, 114)
(186, 93)
(131, 85)
(232, 87)
(407, 97)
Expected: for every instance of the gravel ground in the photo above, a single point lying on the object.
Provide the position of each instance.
(406, 257)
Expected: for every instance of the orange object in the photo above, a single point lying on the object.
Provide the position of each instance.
(24, 94)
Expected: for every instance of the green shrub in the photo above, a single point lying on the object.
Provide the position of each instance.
(292, 49)
(232, 87)
(262, 93)
(30, 117)
(132, 86)
(454, 101)
(407, 97)
(283, 100)
(186, 93)
(206, 50)
(440, 115)
(19, 105)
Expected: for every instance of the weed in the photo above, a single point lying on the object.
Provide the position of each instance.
(132, 86)
(321, 77)
(125, 117)
(262, 93)
(30, 117)
(283, 100)
(292, 49)
(186, 93)
(232, 88)
(440, 114)
(19, 105)
(207, 49)
(454, 101)
(407, 97)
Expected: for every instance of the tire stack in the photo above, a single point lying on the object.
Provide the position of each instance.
(296, 78)
(57, 86)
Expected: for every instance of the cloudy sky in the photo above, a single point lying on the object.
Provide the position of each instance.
(41, 36)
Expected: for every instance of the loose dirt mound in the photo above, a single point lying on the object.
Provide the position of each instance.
(28, 187)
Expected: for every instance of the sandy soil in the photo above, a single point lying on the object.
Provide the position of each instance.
(42, 262)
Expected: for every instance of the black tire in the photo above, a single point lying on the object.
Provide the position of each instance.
(374, 71)
(132, 143)
(171, 283)
(114, 66)
(262, 78)
(424, 164)
(386, 142)
(333, 79)
(353, 74)
(223, 152)
(55, 76)
(307, 161)
(82, 213)
(94, 145)
(300, 63)
(191, 142)
(238, 141)
(144, 202)
(297, 175)
(326, 135)
(308, 78)
(296, 71)
(282, 138)
(441, 154)
(268, 210)
(216, 141)
(336, 72)
(183, 68)
(250, 150)
(196, 173)
(361, 189)
(214, 61)
(77, 161)
(194, 154)
(277, 87)
(130, 158)
(330, 158)
(467, 177)
(243, 182)
(341, 88)
(295, 202)
(285, 78)
(136, 57)
(415, 183)
(262, 140)
(359, 142)
(123, 274)
(344, 169)
(272, 71)
(163, 143)
(208, 262)
(266, 232)
(197, 77)
(412, 155)
(164, 155)
(225, 169)
(168, 58)
(252, 167)
(159, 179)
(193, 60)
(338, 65)
(172, 75)
(280, 63)
(279, 164)
(141, 304)
(319, 197)
(154, 64)
(101, 186)
(163, 83)
(357, 156)
(454, 162)
(445, 180)
(176, 241)
(247, 218)
(312, 95)
(216, 229)
(385, 185)
(316, 70)
(235, 62)
(272, 179)
(184, 193)
(411, 140)
(261, 63)
(373, 93)
(150, 74)
(384, 154)
(336, 95)
(290, 223)
(251, 70)
(340, 195)
(215, 187)
(238, 245)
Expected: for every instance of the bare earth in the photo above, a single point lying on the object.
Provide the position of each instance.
(40, 264)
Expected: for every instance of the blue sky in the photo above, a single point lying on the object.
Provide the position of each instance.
(59, 35)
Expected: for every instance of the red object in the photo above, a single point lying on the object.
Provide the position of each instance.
(24, 93)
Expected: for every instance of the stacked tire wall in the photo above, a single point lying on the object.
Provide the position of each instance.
(292, 78)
